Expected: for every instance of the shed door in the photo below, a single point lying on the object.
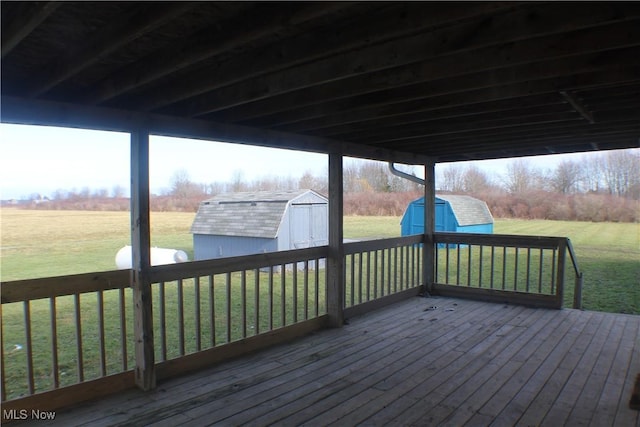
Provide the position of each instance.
(308, 225)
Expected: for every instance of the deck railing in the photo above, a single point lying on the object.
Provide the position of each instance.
(375, 269)
(71, 331)
(60, 331)
(76, 332)
(525, 269)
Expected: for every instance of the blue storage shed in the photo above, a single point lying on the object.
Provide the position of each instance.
(244, 223)
(463, 214)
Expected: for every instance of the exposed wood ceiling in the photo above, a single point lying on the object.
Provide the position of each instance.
(453, 81)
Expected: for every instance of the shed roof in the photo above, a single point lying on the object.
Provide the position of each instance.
(246, 214)
(468, 210)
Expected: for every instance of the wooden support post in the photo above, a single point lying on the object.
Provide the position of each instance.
(428, 252)
(562, 260)
(335, 262)
(141, 251)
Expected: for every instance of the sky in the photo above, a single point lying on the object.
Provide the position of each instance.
(42, 159)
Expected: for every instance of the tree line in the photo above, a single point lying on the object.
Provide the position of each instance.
(597, 187)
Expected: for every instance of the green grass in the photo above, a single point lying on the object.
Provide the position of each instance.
(49, 243)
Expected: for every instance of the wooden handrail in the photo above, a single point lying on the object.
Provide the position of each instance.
(48, 287)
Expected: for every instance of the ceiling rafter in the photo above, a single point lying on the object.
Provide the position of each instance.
(372, 110)
(388, 86)
(138, 23)
(492, 51)
(21, 26)
(207, 43)
(387, 23)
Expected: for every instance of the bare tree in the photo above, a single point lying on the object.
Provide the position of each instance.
(452, 179)
(182, 187)
(566, 176)
(622, 171)
(474, 180)
(521, 177)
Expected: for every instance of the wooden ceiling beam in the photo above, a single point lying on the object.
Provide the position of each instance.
(302, 118)
(577, 105)
(21, 26)
(443, 127)
(388, 22)
(413, 81)
(140, 21)
(419, 131)
(471, 54)
(49, 113)
(377, 109)
(260, 22)
(525, 132)
(511, 108)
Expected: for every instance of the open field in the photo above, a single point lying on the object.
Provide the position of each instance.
(38, 243)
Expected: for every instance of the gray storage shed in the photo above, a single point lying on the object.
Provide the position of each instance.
(243, 223)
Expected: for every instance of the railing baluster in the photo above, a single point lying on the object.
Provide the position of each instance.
(375, 275)
(316, 284)
(382, 275)
(212, 310)
(368, 275)
(103, 360)
(515, 271)
(270, 297)
(283, 299)
(306, 290)
(353, 279)
(256, 301)
(493, 253)
(553, 272)
(163, 321)
(480, 265)
(294, 279)
(123, 328)
(469, 250)
(360, 284)
(243, 303)
(77, 315)
(181, 317)
(540, 272)
(54, 343)
(504, 267)
(447, 264)
(3, 377)
(458, 263)
(528, 267)
(395, 269)
(28, 346)
(228, 305)
(196, 311)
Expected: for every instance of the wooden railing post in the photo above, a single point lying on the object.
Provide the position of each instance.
(562, 260)
(335, 260)
(428, 253)
(145, 376)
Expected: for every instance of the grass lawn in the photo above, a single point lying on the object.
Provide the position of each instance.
(38, 243)
(48, 243)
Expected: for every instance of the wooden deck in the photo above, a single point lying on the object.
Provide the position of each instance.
(423, 361)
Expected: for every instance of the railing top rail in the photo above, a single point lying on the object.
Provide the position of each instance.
(510, 240)
(165, 273)
(47, 287)
(375, 244)
(574, 258)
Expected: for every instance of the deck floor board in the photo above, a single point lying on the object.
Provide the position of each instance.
(423, 361)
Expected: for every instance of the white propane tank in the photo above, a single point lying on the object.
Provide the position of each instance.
(159, 256)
